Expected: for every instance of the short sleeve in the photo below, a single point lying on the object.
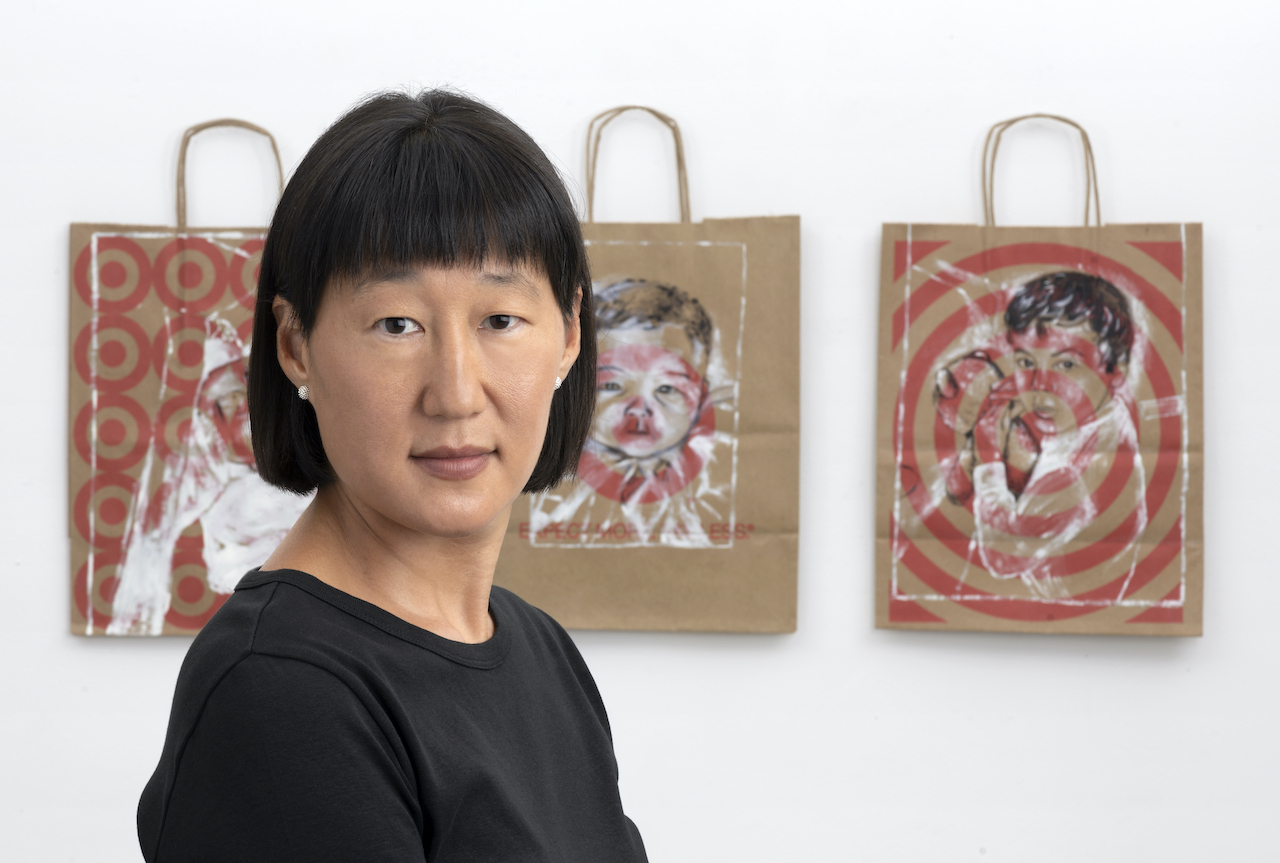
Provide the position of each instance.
(286, 764)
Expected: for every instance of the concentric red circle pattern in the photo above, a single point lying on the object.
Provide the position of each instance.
(946, 540)
(140, 301)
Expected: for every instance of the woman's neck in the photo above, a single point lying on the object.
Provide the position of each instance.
(440, 584)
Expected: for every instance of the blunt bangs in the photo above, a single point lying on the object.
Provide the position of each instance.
(399, 182)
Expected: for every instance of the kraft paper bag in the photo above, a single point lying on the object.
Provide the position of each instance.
(684, 515)
(166, 510)
(1040, 434)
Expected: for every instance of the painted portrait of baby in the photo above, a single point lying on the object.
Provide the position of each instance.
(648, 474)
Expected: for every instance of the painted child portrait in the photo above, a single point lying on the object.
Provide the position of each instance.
(1041, 409)
(646, 476)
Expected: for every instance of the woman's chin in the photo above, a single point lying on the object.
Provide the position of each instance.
(463, 526)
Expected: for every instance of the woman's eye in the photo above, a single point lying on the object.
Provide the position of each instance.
(397, 326)
(665, 389)
(1066, 365)
(1026, 363)
(499, 322)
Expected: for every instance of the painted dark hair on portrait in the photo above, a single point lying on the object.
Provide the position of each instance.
(403, 181)
(1068, 298)
(652, 304)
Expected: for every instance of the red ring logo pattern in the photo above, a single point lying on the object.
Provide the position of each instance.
(940, 444)
(114, 281)
(190, 264)
(127, 288)
(108, 438)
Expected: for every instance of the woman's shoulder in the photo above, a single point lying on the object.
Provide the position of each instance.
(302, 617)
(265, 620)
(291, 614)
(543, 645)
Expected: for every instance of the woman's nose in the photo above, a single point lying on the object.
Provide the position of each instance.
(455, 384)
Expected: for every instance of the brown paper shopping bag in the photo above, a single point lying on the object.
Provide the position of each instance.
(685, 512)
(166, 509)
(1039, 424)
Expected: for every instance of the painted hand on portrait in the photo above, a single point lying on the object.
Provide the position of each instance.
(961, 397)
(997, 419)
(1005, 435)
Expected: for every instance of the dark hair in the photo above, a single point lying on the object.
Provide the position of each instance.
(1068, 298)
(652, 304)
(402, 181)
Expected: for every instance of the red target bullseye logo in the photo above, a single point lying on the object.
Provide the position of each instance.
(173, 425)
(966, 389)
(177, 353)
(122, 432)
(156, 304)
(193, 602)
(123, 271)
(101, 593)
(122, 352)
(190, 274)
(101, 509)
(242, 272)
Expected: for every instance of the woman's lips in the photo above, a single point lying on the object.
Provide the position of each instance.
(453, 464)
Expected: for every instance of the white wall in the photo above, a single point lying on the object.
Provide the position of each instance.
(840, 742)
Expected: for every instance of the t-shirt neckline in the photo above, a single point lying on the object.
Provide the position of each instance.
(486, 654)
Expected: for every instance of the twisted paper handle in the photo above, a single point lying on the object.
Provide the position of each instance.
(992, 147)
(182, 160)
(596, 127)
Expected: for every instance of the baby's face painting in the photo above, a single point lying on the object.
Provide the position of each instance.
(648, 398)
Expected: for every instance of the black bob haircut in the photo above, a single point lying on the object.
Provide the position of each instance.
(1068, 298)
(403, 181)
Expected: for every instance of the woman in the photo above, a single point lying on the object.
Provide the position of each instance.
(423, 353)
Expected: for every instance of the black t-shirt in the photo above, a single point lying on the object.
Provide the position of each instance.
(309, 725)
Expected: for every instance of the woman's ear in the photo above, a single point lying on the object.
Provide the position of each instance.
(572, 336)
(291, 346)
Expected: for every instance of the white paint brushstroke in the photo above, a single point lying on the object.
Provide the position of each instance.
(242, 522)
(91, 563)
(1186, 424)
(895, 540)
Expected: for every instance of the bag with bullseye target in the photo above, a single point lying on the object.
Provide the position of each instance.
(167, 511)
(1040, 434)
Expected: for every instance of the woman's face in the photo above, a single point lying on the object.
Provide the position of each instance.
(432, 389)
(648, 396)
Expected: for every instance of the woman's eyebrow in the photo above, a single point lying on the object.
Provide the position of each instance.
(395, 274)
(512, 278)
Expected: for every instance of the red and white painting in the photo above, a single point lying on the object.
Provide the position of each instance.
(167, 509)
(1037, 401)
(659, 468)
